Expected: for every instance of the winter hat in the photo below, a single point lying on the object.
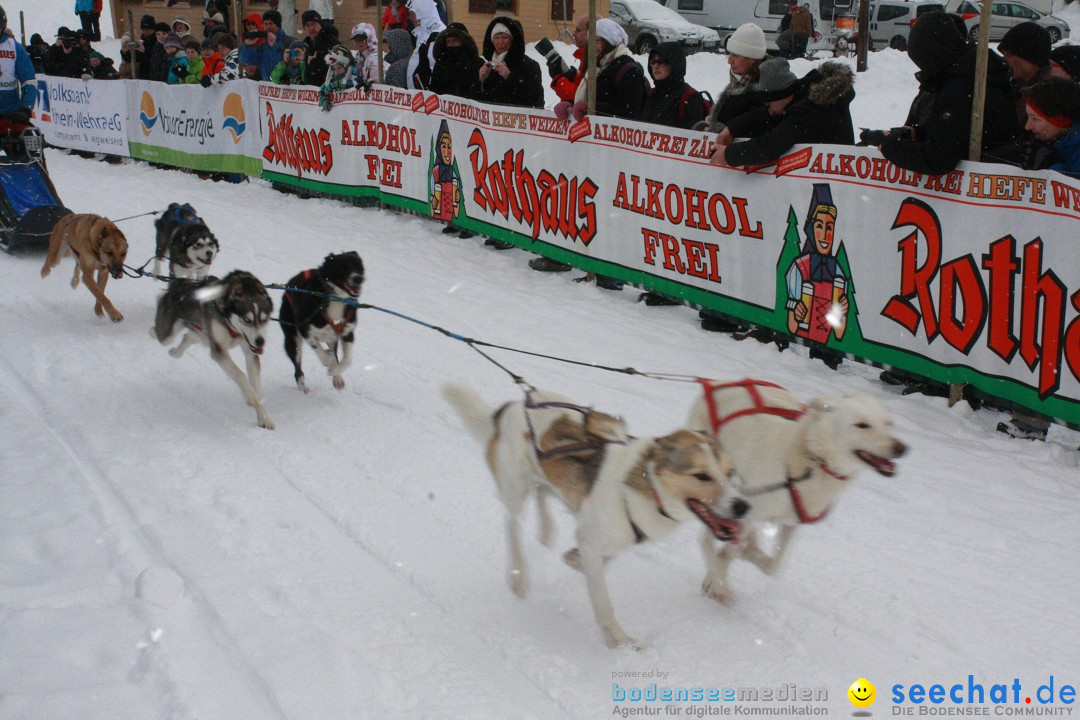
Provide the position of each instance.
(273, 16)
(1029, 41)
(310, 16)
(147, 22)
(216, 17)
(610, 31)
(777, 81)
(1056, 100)
(96, 54)
(172, 40)
(162, 27)
(208, 44)
(363, 29)
(748, 41)
(500, 28)
(298, 45)
(1068, 57)
(935, 42)
(65, 34)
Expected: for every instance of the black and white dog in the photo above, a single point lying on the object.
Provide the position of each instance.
(184, 238)
(234, 310)
(308, 315)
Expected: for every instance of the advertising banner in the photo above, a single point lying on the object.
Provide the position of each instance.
(87, 115)
(971, 277)
(211, 129)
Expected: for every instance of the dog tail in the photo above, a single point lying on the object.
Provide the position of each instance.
(478, 416)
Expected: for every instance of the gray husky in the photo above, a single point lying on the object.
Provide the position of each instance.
(234, 310)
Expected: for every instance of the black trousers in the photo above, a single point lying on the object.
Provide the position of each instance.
(91, 23)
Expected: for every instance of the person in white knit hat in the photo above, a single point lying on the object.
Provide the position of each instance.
(746, 52)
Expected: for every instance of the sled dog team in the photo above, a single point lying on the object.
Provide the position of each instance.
(220, 312)
(750, 454)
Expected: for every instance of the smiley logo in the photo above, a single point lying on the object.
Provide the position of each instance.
(862, 693)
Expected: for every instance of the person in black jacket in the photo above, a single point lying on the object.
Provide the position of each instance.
(815, 109)
(64, 58)
(672, 101)
(320, 37)
(507, 76)
(935, 137)
(620, 82)
(457, 62)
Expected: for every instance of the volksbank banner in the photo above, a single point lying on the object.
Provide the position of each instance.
(85, 115)
(969, 277)
(210, 129)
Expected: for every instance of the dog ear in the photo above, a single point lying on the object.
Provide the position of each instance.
(822, 404)
(98, 230)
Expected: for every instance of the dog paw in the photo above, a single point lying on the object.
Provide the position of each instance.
(339, 382)
(116, 317)
(717, 591)
(266, 423)
(621, 640)
(519, 585)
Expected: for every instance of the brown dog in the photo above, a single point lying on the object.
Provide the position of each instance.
(98, 245)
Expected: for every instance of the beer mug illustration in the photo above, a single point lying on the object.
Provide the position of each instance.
(839, 286)
(807, 301)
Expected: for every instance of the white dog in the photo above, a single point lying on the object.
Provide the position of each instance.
(793, 460)
(621, 490)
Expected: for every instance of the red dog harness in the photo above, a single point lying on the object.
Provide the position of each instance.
(759, 407)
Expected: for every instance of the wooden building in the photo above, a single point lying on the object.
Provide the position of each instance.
(540, 18)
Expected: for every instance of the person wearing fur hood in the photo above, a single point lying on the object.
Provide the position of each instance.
(457, 62)
(508, 76)
(815, 109)
(620, 82)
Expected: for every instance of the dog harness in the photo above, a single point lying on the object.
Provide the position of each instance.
(759, 407)
(531, 404)
(180, 215)
(347, 318)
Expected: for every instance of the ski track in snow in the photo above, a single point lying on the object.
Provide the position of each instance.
(350, 564)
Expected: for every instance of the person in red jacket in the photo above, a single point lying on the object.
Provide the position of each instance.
(395, 16)
(564, 79)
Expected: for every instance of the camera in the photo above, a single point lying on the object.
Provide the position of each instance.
(255, 35)
(871, 137)
(556, 65)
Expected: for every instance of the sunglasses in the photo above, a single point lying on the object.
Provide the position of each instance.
(659, 62)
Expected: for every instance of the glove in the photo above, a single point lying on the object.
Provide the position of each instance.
(86, 76)
(562, 110)
(179, 69)
(20, 116)
(206, 81)
(872, 138)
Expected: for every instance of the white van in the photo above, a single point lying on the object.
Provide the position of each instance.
(725, 16)
(891, 20)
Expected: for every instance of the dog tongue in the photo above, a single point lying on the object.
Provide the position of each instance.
(726, 530)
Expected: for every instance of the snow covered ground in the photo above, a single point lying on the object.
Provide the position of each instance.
(162, 557)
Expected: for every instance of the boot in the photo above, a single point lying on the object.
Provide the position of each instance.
(608, 283)
(655, 299)
(543, 264)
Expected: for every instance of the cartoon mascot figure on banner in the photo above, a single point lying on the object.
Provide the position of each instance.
(817, 303)
(444, 186)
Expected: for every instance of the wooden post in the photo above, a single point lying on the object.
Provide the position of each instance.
(378, 36)
(979, 93)
(238, 21)
(22, 27)
(131, 46)
(978, 106)
(590, 53)
(863, 45)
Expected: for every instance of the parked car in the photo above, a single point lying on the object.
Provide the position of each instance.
(724, 16)
(1004, 15)
(891, 20)
(648, 23)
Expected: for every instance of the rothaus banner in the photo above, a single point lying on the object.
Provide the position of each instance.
(83, 114)
(972, 277)
(211, 129)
